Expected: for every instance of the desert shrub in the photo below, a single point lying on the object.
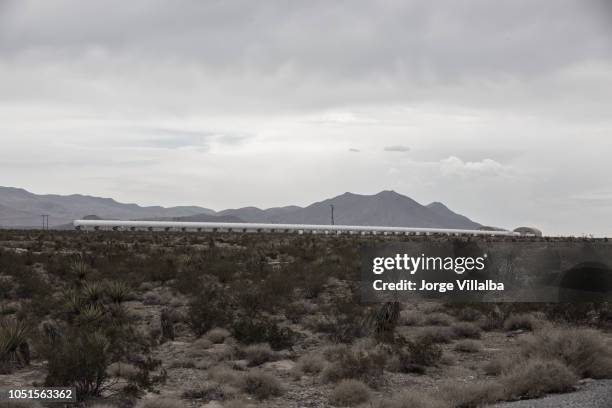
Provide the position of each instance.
(123, 370)
(217, 335)
(149, 373)
(346, 318)
(240, 403)
(491, 322)
(500, 364)
(468, 346)
(604, 317)
(534, 378)
(466, 330)
(226, 375)
(412, 399)
(471, 394)
(14, 346)
(419, 354)
(161, 269)
(167, 320)
(257, 354)
(202, 344)
(161, 402)
(30, 284)
(349, 393)
(209, 309)
(583, 350)
(575, 313)
(209, 392)
(410, 318)
(438, 319)
(437, 334)
(385, 320)
(310, 364)
(78, 360)
(468, 314)
(521, 322)
(249, 331)
(262, 385)
(355, 363)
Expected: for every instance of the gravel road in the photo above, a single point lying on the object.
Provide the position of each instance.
(591, 394)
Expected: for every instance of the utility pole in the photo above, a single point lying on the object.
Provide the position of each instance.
(332, 214)
(45, 221)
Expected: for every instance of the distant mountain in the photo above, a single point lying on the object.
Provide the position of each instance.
(20, 208)
(386, 208)
(254, 214)
(452, 217)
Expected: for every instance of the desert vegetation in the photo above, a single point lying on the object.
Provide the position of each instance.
(169, 320)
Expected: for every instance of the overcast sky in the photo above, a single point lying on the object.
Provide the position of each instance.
(500, 109)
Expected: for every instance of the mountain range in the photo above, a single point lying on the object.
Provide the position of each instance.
(22, 209)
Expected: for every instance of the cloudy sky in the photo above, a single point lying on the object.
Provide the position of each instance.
(501, 110)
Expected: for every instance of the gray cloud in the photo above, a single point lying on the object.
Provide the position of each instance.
(397, 148)
(505, 104)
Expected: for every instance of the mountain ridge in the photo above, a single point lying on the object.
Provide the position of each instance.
(20, 208)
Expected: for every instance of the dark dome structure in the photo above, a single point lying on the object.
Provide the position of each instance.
(528, 231)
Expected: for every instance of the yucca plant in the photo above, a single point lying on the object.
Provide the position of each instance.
(385, 320)
(90, 314)
(93, 292)
(14, 348)
(118, 291)
(117, 313)
(79, 267)
(73, 302)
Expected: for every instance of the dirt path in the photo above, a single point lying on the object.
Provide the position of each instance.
(592, 394)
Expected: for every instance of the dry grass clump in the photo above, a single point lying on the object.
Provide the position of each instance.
(524, 321)
(238, 403)
(349, 393)
(467, 330)
(438, 319)
(225, 375)
(122, 370)
(583, 350)
(311, 364)
(410, 318)
(437, 334)
(161, 402)
(500, 364)
(468, 314)
(535, 378)
(262, 385)
(202, 343)
(471, 394)
(209, 391)
(257, 354)
(468, 346)
(412, 399)
(419, 354)
(364, 364)
(217, 335)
